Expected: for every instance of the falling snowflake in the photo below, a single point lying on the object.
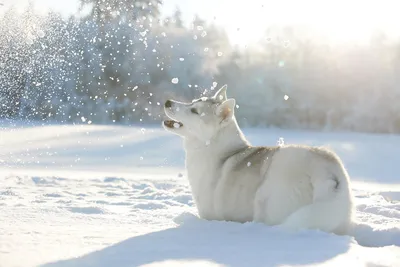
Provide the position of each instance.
(286, 43)
(280, 142)
(41, 34)
(175, 80)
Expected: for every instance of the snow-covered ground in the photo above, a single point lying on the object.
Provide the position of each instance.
(118, 196)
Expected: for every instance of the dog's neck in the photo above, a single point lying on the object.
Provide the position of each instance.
(229, 138)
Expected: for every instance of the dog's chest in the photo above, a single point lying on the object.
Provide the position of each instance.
(203, 178)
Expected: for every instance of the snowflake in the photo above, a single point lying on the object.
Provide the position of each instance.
(281, 142)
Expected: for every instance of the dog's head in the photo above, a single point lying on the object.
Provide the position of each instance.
(202, 118)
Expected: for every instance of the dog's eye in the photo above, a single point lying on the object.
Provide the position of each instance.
(194, 111)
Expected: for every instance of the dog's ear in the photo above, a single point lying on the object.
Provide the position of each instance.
(226, 109)
(220, 95)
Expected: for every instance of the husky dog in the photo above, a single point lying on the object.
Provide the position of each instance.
(297, 187)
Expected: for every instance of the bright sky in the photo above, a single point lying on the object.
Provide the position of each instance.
(245, 21)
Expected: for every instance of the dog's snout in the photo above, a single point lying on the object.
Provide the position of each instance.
(168, 103)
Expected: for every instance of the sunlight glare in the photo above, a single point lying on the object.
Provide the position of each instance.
(340, 21)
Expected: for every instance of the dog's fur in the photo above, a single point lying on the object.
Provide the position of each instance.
(298, 187)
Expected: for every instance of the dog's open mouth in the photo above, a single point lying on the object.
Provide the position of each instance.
(173, 124)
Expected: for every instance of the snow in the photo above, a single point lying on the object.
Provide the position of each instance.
(281, 141)
(90, 195)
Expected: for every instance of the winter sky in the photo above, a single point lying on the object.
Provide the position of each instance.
(245, 21)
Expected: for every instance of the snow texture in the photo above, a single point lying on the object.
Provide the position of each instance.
(118, 196)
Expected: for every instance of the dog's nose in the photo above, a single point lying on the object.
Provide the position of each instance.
(168, 103)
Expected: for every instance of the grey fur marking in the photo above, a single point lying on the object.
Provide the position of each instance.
(336, 180)
(250, 157)
(209, 100)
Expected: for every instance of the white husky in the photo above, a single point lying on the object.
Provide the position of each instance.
(298, 187)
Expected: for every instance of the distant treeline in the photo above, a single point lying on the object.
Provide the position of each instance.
(119, 63)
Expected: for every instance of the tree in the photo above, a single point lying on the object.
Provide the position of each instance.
(126, 10)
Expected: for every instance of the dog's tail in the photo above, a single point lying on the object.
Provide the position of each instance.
(331, 209)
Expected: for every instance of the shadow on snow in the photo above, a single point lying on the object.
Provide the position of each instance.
(226, 243)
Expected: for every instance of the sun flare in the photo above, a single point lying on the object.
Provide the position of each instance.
(339, 21)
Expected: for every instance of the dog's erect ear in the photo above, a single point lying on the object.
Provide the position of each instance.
(220, 95)
(226, 109)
